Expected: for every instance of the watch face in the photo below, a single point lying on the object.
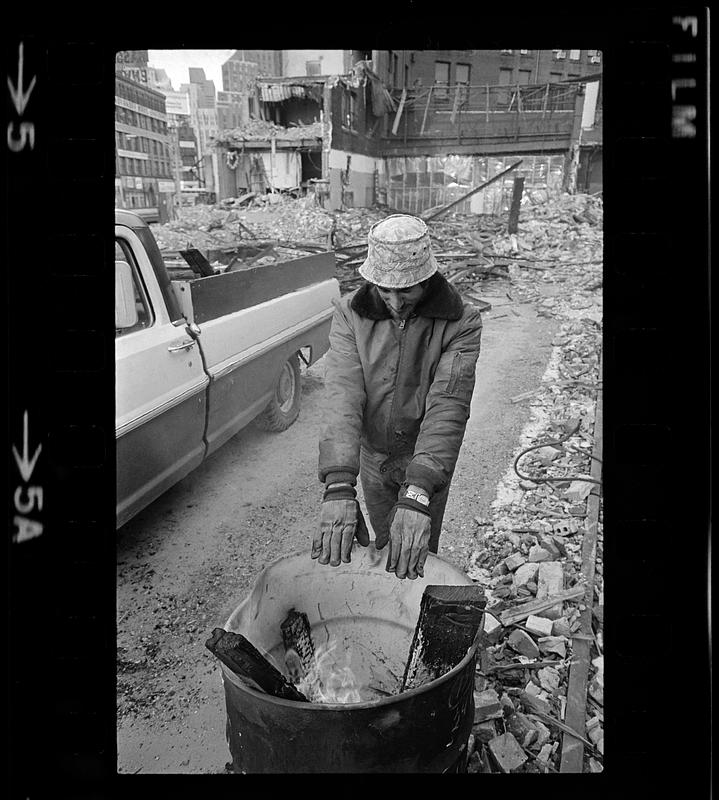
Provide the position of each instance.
(420, 498)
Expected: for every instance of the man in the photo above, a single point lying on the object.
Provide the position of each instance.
(398, 384)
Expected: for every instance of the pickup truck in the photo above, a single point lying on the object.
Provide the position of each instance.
(198, 358)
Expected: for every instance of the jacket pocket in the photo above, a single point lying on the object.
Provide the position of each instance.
(461, 378)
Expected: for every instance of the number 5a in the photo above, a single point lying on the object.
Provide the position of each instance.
(27, 133)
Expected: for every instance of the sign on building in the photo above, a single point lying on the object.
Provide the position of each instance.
(166, 186)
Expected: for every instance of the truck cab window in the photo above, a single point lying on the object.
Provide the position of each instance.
(142, 303)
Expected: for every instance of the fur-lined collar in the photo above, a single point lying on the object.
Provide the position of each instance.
(440, 300)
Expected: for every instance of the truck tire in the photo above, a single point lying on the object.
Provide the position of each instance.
(284, 407)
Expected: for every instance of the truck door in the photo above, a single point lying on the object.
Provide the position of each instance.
(160, 391)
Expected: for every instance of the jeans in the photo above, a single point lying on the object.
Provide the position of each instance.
(382, 481)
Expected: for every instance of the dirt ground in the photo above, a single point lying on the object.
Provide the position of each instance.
(189, 559)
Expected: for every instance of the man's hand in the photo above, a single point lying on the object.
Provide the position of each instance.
(340, 521)
(408, 541)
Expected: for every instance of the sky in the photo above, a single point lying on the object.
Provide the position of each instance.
(176, 64)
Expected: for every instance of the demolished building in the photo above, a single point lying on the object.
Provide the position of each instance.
(353, 142)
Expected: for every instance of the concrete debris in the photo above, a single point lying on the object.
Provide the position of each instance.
(507, 753)
(545, 753)
(539, 626)
(549, 583)
(537, 553)
(552, 644)
(543, 734)
(549, 679)
(522, 728)
(523, 643)
(524, 574)
(514, 561)
(485, 731)
(486, 706)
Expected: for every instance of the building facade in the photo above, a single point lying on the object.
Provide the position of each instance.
(143, 168)
(237, 70)
(203, 114)
(232, 109)
(239, 75)
(413, 68)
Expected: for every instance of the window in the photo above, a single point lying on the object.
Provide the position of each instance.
(349, 109)
(525, 52)
(142, 303)
(462, 73)
(506, 52)
(441, 79)
(560, 55)
(574, 55)
(506, 77)
(313, 68)
(525, 77)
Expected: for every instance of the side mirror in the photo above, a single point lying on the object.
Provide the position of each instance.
(125, 309)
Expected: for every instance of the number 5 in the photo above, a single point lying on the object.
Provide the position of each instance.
(27, 131)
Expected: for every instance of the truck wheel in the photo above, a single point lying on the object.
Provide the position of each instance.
(284, 407)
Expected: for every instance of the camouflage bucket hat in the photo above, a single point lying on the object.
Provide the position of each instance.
(399, 253)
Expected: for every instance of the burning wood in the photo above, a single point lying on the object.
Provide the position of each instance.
(243, 658)
(297, 638)
(449, 618)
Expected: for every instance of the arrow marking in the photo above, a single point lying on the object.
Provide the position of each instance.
(19, 97)
(24, 464)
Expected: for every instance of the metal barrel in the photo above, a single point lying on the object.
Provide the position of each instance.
(366, 609)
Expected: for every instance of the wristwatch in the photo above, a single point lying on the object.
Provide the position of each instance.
(420, 498)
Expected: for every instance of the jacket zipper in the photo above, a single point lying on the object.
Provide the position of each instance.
(390, 432)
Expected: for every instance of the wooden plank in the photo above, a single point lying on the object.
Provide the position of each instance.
(245, 660)
(449, 619)
(474, 191)
(513, 615)
(222, 294)
(426, 109)
(517, 191)
(572, 756)
(397, 116)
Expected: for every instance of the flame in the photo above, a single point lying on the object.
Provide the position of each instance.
(328, 680)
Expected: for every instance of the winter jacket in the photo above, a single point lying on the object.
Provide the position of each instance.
(399, 388)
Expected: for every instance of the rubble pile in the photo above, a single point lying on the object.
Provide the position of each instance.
(260, 130)
(531, 547)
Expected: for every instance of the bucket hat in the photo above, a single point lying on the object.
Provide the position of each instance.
(399, 253)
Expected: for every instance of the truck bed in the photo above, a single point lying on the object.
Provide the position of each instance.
(204, 299)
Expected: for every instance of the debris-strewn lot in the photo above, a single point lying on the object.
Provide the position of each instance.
(547, 514)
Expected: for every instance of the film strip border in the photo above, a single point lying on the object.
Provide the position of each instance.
(656, 398)
(58, 176)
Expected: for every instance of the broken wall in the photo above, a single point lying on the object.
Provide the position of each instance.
(414, 184)
(257, 171)
(352, 179)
